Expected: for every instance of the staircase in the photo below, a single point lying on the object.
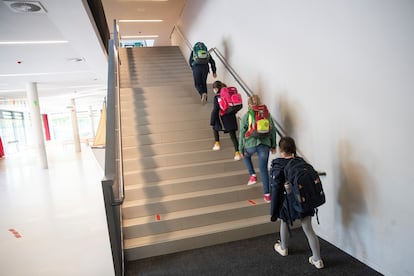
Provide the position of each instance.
(179, 193)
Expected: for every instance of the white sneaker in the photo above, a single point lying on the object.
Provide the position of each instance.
(317, 264)
(278, 249)
(237, 156)
(216, 146)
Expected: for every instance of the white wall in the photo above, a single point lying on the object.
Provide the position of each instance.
(339, 76)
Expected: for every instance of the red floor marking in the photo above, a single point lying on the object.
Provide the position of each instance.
(15, 233)
(252, 202)
(158, 217)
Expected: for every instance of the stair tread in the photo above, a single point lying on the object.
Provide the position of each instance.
(178, 154)
(142, 202)
(194, 232)
(166, 143)
(185, 179)
(180, 166)
(194, 212)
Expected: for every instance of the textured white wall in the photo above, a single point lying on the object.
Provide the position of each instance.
(339, 76)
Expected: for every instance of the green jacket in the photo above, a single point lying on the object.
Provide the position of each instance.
(250, 142)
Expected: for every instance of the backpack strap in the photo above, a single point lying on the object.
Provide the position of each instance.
(316, 213)
(285, 210)
(284, 170)
(250, 122)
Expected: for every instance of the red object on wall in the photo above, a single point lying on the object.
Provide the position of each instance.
(46, 127)
(1, 148)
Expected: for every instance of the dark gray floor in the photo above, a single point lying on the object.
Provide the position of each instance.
(251, 257)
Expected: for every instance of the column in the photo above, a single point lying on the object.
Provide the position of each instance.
(92, 122)
(75, 128)
(36, 120)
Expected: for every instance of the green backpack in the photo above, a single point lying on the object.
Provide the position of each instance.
(200, 53)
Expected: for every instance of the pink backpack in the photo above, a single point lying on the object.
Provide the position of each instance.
(230, 101)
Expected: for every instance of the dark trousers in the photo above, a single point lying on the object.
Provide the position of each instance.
(200, 73)
(232, 136)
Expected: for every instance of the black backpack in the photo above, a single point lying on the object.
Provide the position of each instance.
(306, 186)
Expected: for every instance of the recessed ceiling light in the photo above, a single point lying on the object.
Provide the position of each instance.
(40, 74)
(143, 0)
(25, 6)
(139, 20)
(76, 59)
(138, 36)
(33, 42)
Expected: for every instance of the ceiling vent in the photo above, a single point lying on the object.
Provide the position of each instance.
(25, 6)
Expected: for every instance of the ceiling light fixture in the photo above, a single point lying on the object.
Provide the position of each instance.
(25, 6)
(33, 42)
(76, 59)
(138, 36)
(143, 0)
(139, 20)
(41, 74)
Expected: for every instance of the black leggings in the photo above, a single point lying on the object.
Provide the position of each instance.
(232, 136)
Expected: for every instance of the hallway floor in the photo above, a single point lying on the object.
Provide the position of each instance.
(52, 221)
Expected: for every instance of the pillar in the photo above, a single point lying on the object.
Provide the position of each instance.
(75, 128)
(92, 122)
(36, 120)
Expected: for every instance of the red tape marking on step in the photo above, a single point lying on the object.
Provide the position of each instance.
(158, 217)
(252, 202)
(16, 234)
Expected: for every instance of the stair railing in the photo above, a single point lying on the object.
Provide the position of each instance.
(113, 182)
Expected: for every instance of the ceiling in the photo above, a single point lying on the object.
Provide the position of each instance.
(75, 66)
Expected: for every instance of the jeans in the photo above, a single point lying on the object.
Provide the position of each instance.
(263, 153)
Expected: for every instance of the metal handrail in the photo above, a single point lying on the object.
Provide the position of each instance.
(121, 187)
(114, 143)
(113, 182)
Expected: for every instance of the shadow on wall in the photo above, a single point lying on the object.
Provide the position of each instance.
(353, 194)
(287, 114)
(226, 49)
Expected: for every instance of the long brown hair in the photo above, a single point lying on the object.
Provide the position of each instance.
(254, 100)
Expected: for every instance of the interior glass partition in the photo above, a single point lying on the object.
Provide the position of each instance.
(12, 130)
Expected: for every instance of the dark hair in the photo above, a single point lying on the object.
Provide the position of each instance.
(287, 145)
(219, 85)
